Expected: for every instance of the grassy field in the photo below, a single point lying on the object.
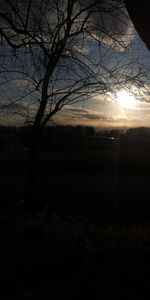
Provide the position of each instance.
(59, 257)
(91, 236)
(110, 183)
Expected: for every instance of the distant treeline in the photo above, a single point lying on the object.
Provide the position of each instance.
(77, 130)
(14, 138)
(71, 130)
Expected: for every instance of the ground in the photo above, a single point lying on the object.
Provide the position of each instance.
(90, 235)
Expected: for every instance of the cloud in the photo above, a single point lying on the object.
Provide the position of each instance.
(108, 19)
(80, 116)
(111, 23)
(85, 114)
(109, 117)
(81, 113)
(11, 108)
(24, 83)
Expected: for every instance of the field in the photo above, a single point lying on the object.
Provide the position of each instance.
(90, 234)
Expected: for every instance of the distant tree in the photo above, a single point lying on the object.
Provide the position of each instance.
(78, 130)
(141, 131)
(114, 133)
(89, 131)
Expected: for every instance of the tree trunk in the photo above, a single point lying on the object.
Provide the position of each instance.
(31, 201)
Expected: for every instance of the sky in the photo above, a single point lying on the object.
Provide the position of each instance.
(125, 107)
(129, 108)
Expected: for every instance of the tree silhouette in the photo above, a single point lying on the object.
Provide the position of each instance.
(55, 53)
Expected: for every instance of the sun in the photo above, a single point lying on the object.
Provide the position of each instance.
(125, 100)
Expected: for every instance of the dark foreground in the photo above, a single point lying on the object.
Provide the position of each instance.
(90, 234)
(54, 257)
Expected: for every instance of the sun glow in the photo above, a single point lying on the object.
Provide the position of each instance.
(125, 100)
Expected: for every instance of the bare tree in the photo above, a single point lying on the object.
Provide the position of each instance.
(60, 52)
(55, 53)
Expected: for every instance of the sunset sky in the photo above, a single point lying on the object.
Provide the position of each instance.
(130, 108)
(125, 107)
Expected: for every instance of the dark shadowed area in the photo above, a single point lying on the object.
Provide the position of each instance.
(90, 233)
(140, 18)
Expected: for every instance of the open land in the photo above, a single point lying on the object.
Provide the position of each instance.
(90, 233)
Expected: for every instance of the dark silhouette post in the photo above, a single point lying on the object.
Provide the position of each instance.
(139, 13)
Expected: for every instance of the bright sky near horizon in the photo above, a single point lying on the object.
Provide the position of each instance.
(128, 108)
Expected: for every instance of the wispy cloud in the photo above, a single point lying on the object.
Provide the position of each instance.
(113, 24)
(80, 116)
(85, 114)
